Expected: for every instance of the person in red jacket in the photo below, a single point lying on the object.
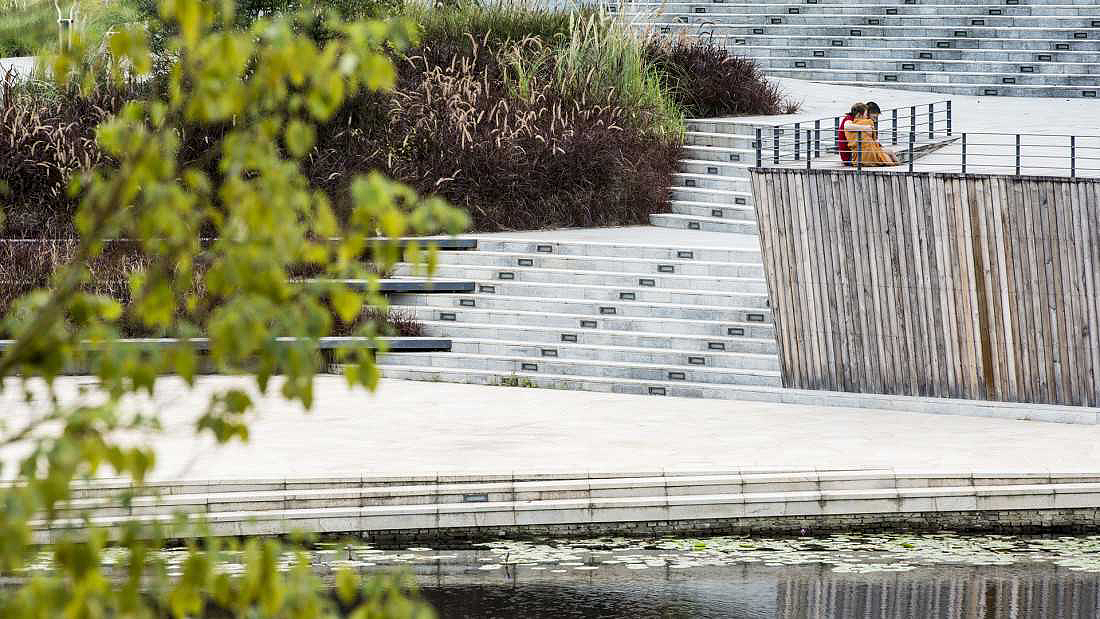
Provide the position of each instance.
(842, 147)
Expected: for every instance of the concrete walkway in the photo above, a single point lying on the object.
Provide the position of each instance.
(417, 428)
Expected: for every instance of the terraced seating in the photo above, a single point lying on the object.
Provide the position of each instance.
(983, 48)
(435, 503)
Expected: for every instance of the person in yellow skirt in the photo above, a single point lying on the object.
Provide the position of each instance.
(862, 136)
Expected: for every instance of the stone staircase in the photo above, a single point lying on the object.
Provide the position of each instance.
(485, 506)
(599, 317)
(711, 192)
(983, 48)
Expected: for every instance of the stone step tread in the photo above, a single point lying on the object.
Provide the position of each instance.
(641, 484)
(528, 241)
(716, 192)
(702, 339)
(618, 303)
(762, 19)
(673, 277)
(592, 363)
(952, 85)
(654, 261)
(724, 149)
(497, 282)
(715, 177)
(701, 218)
(963, 73)
(693, 203)
(625, 349)
(919, 61)
(671, 322)
(1034, 30)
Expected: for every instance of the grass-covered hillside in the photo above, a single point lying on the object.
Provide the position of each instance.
(28, 27)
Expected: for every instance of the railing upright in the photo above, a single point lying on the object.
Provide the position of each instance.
(913, 118)
(964, 154)
(759, 147)
(931, 121)
(1073, 156)
(1017, 154)
(809, 146)
(797, 137)
(817, 138)
(912, 143)
(859, 151)
(775, 145)
(949, 118)
(894, 121)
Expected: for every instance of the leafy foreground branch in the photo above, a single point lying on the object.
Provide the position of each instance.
(266, 88)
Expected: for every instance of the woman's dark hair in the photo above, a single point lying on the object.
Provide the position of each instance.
(858, 109)
(873, 108)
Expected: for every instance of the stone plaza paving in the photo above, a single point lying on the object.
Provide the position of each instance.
(416, 428)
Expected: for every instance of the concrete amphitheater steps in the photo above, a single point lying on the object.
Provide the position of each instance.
(589, 315)
(981, 48)
(493, 503)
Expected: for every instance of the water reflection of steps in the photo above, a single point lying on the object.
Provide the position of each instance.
(505, 502)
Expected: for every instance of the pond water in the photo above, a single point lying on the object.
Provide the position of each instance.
(887, 576)
(841, 577)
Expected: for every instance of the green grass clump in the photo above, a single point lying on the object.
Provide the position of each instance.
(497, 20)
(29, 27)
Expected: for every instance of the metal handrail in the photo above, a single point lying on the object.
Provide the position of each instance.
(1072, 155)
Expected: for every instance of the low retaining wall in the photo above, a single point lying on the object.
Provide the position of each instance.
(980, 287)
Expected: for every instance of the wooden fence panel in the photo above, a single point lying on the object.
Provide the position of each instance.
(984, 287)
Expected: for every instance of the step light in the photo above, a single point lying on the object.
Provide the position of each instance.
(889, 78)
(960, 34)
(977, 22)
(682, 19)
(739, 41)
(758, 31)
(801, 64)
(686, 255)
(855, 33)
(1045, 57)
(689, 182)
(891, 11)
(712, 170)
(677, 376)
(588, 324)
(735, 331)
(569, 337)
(666, 268)
(737, 156)
(656, 391)
(837, 43)
(925, 56)
(647, 282)
(608, 311)
(908, 66)
(819, 53)
(526, 262)
(1008, 80)
(755, 317)
(544, 249)
(996, 12)
(506, 275)
(697, 361)
(943, 44)
(715, 212)
(487, 289)
(716, 345)
(700, 9)
(467, 302)
(741, 201)
(1080, 35)
(693, 225)
(1091, 94)
(448, 316)
(776, 21)
(1061, 46)
(1027, 69)
(990, 92)
(549, 352)
(874, 22)
(627, 296)
(792, 11)
(529, 367)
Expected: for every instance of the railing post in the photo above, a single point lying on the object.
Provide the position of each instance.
(948, 118)
(894, 121)
(912, 146)
(859, 150)
(913, 118)
(797, 137)
(775, 145)
(836, 131)
(1073, 156)
(759, 147)
(1017, 154)
(817, 138)
(809, 147)
(931, 121)
(964, 154)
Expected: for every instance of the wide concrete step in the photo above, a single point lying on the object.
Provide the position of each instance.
(709, 209)
(717, 135)
(549, 335)
(756, 326)
(622, 309)
(1044, 57)
(933, 78)
(619, 354)
(707, 224)
(1037, 26)
(578, 501)
(880, 66)
(600, 264)
(857, 10)
(616, 294)
(717, 196)
(619, 250)
(691, 180)
(738, 170)
(980, 90)
(817, 39)
(506, 366)
(742, 156)
(600, 278)
(1008, 37)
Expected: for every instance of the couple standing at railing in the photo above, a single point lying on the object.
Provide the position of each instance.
(857, 139)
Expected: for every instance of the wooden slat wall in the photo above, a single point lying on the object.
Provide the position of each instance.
(984, 287)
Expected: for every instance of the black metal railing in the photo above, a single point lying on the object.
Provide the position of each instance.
(1017, 154)
(782, 144)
